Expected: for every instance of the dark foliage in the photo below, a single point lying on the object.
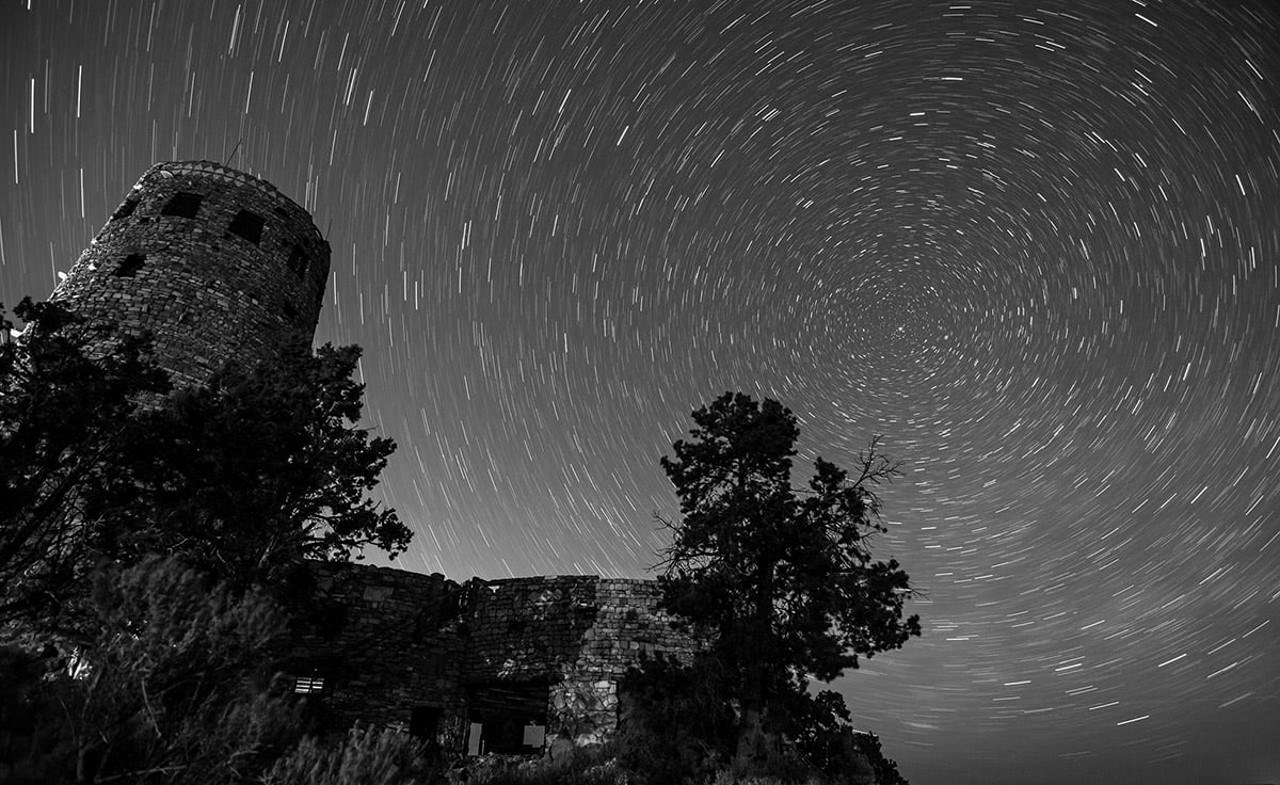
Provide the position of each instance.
(169, 687)
(675, 720)
(154, 670)
(244, 477)
(886, 769)
(255, 471)
(365, 756)
(678, 725)
(783, 576)
(64, 417)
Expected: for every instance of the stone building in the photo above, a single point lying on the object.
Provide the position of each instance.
(218, 264)
(215, 263)
(485, 666)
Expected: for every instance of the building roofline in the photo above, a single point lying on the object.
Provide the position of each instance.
(215, 170)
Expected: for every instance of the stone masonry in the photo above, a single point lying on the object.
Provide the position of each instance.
(216, 264)
(476, 665)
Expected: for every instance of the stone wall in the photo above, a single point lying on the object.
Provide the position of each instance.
(385, 642)
(579, 633)
(215, 263)
(388, 642)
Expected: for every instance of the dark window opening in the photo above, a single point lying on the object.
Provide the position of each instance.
(424, 722)
(125, 210)
(308, 685)
(248, 225)
(297, 261)
(130, 266)
(508, 718)
(183, 205)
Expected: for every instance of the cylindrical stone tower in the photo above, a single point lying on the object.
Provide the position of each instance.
(215, 263)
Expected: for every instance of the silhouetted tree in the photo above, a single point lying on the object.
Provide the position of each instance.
(886, 769)
(244, 476)
(674, 720)
(254, 471)
(102, 467)
(63, 420)
(783, 576)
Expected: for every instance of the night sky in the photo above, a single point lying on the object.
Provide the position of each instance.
(1035, 245)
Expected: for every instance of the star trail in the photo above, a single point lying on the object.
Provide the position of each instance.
(1034, 245)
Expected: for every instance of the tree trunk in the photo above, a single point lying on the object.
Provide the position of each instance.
(754, 745)
(751, 742)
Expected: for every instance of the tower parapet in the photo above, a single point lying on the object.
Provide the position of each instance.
(215, 263)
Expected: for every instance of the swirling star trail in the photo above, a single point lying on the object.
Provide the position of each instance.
(1035, 245)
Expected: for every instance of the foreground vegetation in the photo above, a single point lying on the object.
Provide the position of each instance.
(150, 539)
(386, 757)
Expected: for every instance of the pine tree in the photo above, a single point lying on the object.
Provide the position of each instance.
(783, 576)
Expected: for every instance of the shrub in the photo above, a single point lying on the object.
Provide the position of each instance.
(366, 756)
(593, 765)
(168, 687)
(676, 724)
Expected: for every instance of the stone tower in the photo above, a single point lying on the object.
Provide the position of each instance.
(215, 263)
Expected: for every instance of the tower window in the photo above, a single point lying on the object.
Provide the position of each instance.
(125, 210)
(297, 261)
(130, 266)
(183, 205)
(248, 225)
